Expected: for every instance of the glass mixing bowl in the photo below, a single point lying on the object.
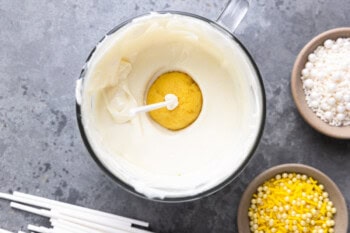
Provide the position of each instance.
(229, 20)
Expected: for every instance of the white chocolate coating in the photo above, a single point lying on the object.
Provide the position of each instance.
(155, 161)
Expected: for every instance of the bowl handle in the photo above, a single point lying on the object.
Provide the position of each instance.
(233, 14)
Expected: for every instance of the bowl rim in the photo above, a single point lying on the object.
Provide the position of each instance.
(214, 189)
(330, 186)
(342, 132)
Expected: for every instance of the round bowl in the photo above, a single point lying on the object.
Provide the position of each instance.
(309, 116)
(216, 188)
(340, 218)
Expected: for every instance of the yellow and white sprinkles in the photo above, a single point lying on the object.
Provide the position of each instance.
(291, 202)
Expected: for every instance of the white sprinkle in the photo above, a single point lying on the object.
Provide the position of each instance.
(312, 57)
(340, 109)
(309, 65)
(331, 86)
(325, 106)
(314, 73)
(314, 95)
(309, 83)
(328, 115)
(314, 104)
(321, 75)
(305, 72)
(338, 95)
(340, 116)
(336, 76)
(328, 44)
(340, 41)
(331, 101)
(347, 106)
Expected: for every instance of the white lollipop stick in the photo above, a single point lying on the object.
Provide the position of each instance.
(75, 228)
(51, 204)
(170, 102)
(4, 231)
(39, 229)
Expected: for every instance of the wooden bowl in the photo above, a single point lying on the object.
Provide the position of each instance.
(342, 132)
(340, 218)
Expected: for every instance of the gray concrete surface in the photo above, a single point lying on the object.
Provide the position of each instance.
(43, 45)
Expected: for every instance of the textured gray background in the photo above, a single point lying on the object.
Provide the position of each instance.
(43, 45)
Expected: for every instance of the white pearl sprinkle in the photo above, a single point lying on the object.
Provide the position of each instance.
(335, 47)
(321, 75)
(314, 73)
(328, 115)
(314, 95)
(314, 104)
(337, 76)
(347, 106)
(331, 86)
(309, 83)
(312, 57)
(331, 101)
(340, 109)
(338, 96)
(325, 106)
(309, 65)
(305, 72)
(328, 44)
(340, 116)
(340, 41)
(346, 98)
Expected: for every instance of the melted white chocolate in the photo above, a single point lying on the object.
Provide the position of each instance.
(157, 162)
